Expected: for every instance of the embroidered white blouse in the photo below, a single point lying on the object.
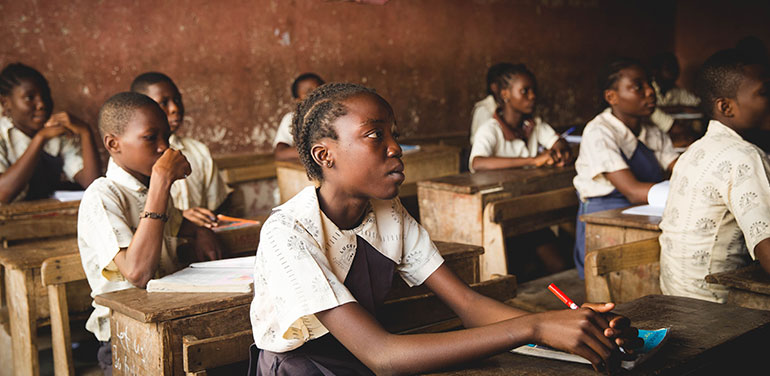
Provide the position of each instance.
(717, 211)
(303, 259)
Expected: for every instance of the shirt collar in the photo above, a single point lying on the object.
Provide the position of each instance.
(715, 127)
(6, 126)
(122, 177)
(175, 142)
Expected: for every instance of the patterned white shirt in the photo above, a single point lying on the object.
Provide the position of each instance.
(483, 110)
(303, 259)
(13, 144)
(490, 141)
(717, 211)
(107, 218)
(605, 141)
(283, 134)
(204, 187)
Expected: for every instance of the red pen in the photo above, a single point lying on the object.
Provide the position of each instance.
(562, 296)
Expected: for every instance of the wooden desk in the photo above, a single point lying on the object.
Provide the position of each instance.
(452, 207)
(610, 228)
(27, 298)
(749, 286)
(38, 219)
(252, 177)
(706, 338)
(429, 162)
(239, 168)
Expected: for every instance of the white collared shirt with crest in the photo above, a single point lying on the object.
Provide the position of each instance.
(204, 187)
(107, 219)
(604, 139)
(718, 210)
(483, 110)
(13, 144)
(303, 259)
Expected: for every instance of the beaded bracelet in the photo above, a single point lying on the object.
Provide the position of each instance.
(152, 215)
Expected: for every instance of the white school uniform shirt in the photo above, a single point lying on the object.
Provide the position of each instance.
(107, 219)
(717, 211)
(303, 259)
(13, 144)
(204, 187)
(483, 110)
(676, 96)
(283, 134)
(490, 141)
(604, 139)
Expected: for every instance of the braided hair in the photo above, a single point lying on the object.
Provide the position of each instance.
(610, 74)
(505, 77)
(314, 118)
(12, 75)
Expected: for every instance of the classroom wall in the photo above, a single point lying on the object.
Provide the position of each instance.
(707, 26)
(234, 59)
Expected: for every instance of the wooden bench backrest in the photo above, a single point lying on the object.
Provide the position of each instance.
(626, 272)
(240, 168)
(201, 355)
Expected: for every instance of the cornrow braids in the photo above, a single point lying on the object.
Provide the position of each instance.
(314, 118)
(505, 77)
(12, 75)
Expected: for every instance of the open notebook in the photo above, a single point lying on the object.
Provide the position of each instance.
(653, 340)
(657, 201)
(228, 275)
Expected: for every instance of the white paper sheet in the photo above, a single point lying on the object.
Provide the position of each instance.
(68, 195)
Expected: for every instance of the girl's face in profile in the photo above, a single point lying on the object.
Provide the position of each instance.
(633, 95)
(366, 156)
(521, 94)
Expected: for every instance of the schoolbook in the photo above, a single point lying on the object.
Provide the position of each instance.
(656, 197)
(229, 275)
(653, 341)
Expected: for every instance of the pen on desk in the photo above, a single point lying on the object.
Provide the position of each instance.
(568, 132)
(562, 296)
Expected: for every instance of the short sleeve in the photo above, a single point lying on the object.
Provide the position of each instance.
(293, 280)
(421, 257)
(600, 153)
(546, 136)
(283, 134)
(662, 120)
(749, 196)
(103, 228)
(72, 157)
(484, 142)
(667, 153)
(480, 116)
(5, 163)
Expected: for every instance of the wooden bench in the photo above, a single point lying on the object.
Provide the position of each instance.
(624, 272)
(55, 273)
(749, 286)
(252, 177)
(37, 219)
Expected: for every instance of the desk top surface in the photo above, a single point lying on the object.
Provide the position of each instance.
(700, 331)
(31, 254)
(752, 278)
(26, 208)
(507, 179)
(146, 306)
(615, 217)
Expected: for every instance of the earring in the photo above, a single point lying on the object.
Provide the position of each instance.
(329, 164)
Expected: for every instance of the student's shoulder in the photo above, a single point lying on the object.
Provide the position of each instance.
(101, 190)
(599, 126)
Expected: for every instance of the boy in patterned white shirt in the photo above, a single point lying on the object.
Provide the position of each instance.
(127, 224)
(717, 215)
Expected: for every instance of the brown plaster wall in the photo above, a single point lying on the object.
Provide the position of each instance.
(704, 27)
(234, 59)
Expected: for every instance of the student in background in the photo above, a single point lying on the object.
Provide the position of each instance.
(484, 109)
(37, 148)
(672, 99)
(512, 136)
(203, 191)
(283, 143)
(328, 256)
(717, 215)
(621, 154)
(127, 226)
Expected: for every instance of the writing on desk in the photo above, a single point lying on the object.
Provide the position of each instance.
(124, 346)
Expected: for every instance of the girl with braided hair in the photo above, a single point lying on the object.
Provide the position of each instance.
(327, 257)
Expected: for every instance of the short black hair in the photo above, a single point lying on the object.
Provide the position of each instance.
(12, 75)
(314, 116)
(721, 75)
(493, 73)
(142, 81)
(506, 74)
(120, 108)
(304, 77)
(610, 74)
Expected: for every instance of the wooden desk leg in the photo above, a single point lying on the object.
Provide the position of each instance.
(21, 313)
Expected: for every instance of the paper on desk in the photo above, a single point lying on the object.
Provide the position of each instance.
(205, 280)
(656, 198)
(68, 195)
(237, 262)
(408, 149)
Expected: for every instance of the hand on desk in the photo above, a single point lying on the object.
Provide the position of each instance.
(201, 217)
(205, 245)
